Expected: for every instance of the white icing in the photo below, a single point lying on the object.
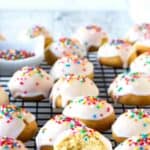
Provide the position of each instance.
(130, 83)
(90, 37)
(139, 32)
(67, 65)
(65, 46)
(26, 84)
(123, 50)
(107, 50)
(4, 99)
(141, 63)
(69, 132)
(127, 144)
(88, 111)
(12, 129)
(126, 126)
(11, 125)
(77, 86)
(50, 131)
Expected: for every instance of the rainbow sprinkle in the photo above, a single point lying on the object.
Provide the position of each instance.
(73, 59)
(61, 119)
(128, 78)
(12, 54)
(9, 143)
(11, 111)
(91, 100)
(71, 77)
(31, 71)
(85, 132)
(139, 114)
(141, 142)
(35, 31)
(69, 43)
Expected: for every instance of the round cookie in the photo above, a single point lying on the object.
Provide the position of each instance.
(52, 129)
(139, 32)
(131, 123)
(38, 30)
(141, 63)
(17, 122)
(72, 64)
(93, 112)
(71, 86)
(62, 47)
(82, 138)
(4, 99)
(117, 53)
(131, 88)
(7, 143)
(30, 83)
(91, 36)
(140, 35)
(141, 142)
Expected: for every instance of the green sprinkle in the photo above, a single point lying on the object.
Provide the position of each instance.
(120, 89)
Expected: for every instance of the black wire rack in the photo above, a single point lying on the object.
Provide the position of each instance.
(43, 110)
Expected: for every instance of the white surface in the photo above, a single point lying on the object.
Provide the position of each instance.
(143, 13)
(64, 4)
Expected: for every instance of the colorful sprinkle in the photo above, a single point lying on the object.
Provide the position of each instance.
(61, 119)
(37, 30)
(11, 112)
(141, 142)
(139, 114)
(13, 54)
(9, 143)
(31, 71)
(72, 77)
(85, 132)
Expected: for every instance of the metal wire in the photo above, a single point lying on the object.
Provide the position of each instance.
(43, 110)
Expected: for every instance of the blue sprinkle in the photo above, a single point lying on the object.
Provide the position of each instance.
(94, 116)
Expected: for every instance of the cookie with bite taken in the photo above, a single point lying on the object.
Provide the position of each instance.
(82, 138)
(48, 134)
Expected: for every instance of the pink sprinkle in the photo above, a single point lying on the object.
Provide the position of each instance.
(84, 69)
(36, 83)
(25, 92)
(21, 83)
(108, 109)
